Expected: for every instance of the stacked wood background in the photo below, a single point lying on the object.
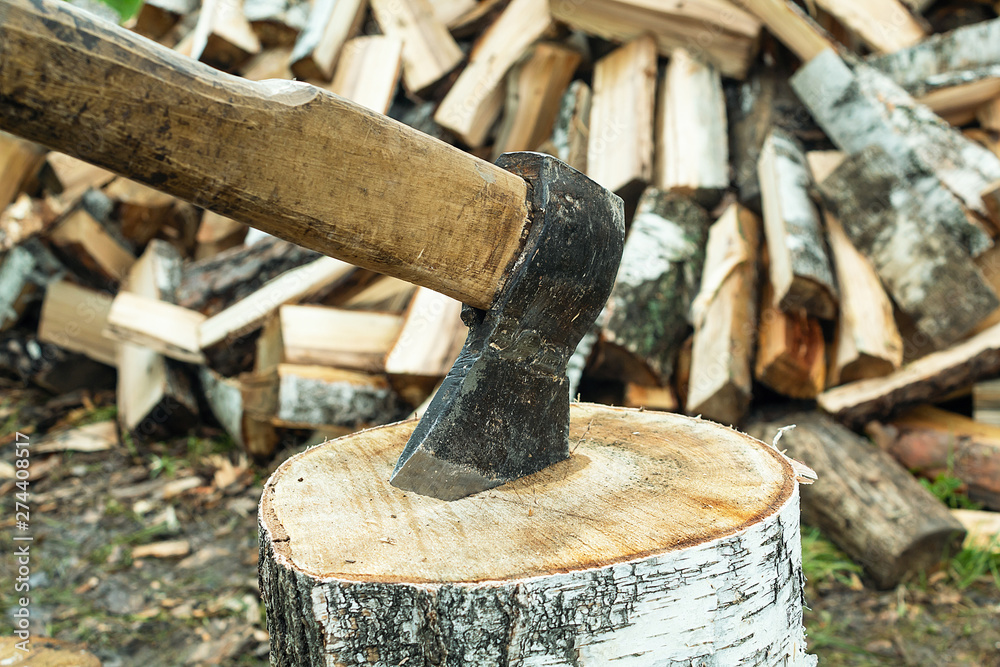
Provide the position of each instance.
(813, 202)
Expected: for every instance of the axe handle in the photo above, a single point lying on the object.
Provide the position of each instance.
(286, 157)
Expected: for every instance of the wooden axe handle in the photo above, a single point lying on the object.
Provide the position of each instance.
(286, 157)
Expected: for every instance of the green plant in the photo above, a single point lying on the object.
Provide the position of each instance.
(165, 464)
(947, 489)
(822, 562)
(972, 564)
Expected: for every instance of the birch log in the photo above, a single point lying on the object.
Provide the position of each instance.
(571, 129)
(651, 545)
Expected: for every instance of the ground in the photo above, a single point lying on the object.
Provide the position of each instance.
(192, 599)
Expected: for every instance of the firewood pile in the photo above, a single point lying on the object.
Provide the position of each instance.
(813, 199)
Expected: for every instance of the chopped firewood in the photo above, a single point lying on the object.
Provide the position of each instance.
(792, 26)
(331, 23)
(725, 320)
(140, 210)
(225, 399)
(983, 529)
(867, 343)
(570, 130)
(650, 398)
(368, 71)
(620, 145)
(646, 318)
(925, 379)
(216, 234)
(19, 161)
(800, 272)
(298, 396)
(731, 32)
(823, 163)
(988, 115)
(932, 442)
(277, 23)
(322, 336)
(25, 271)
(693, 154)
(87, 248)
(156, 17)
(862, 107)
(385, 293)
(269, 64)
(249, 313)
(222, 37)
(429, 50)
(791, 353)
(535, 88)
(886, 26)
(74, 317)
(154, 394)
(97, 437)
(986, 401)
(213, 284)
(166, 549)
(474, 102)
(991, 199)
(168, 329)
(430, 339)
(926, 271)
(958, 99)
(74, 177)
(864, 501)
(450, 11)
(49, 366)
(25, 218)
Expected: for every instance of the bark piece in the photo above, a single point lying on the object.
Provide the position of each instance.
(647, 313)
(429, 50)
(620, 144)
(331, 23)
(886, 26)
(926, 271)
(25, 271)
(474, 102)
(571, 130)
(733, 30)
(725, 320)
(791, 353)
(19, 161)
(800, 271)
(861, 107)
(535, 88)
(693, 154)
(87, 248)
(925, 379)
(389, 584)
(430, 338)
(368, 71)
(869, 505)
(74, 317)
(931, 442)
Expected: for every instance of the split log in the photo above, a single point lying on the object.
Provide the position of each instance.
(867, 343)
(154, 394)
(646, 317)
(269, 64)
(383, 293)
(932, 442)
(886, 26)
(22, 220)
(451, 11)
(430, 338)
(225, 399)
(86, 247)
(139, 210)
(868, 504)
(157, 17)
(216, 234)
(317, 335)
(535, 88)
(986, 402)
(331, 23)
(213, 284)
(299, 396)
(792, 26)
(733, 31)
(926, 271)
(861, 107)
(74, 317)
(571, 130)
(988, 115)
(163, 327)
(791, 353)
(19, 161)
(25, 272)
(429, 50)
(725, 320)
(983, 529)
(800, 272)
(693, 155)
(368, 71)
(620, 143)
(923, 380)
(277, 23)
(957, 97)
(222, 37)
(474, 102)
(650, 398)
(688, 547)
(73, 177)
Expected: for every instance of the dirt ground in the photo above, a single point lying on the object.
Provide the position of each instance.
(146, 555)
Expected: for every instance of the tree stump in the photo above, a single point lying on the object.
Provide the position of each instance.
(662, 539)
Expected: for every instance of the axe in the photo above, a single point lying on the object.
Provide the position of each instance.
(529, 245)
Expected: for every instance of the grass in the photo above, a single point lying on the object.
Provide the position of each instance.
(822, 562)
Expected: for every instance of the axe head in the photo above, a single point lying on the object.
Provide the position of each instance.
(502, 412)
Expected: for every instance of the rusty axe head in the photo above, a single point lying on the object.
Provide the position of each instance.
(503, 410)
